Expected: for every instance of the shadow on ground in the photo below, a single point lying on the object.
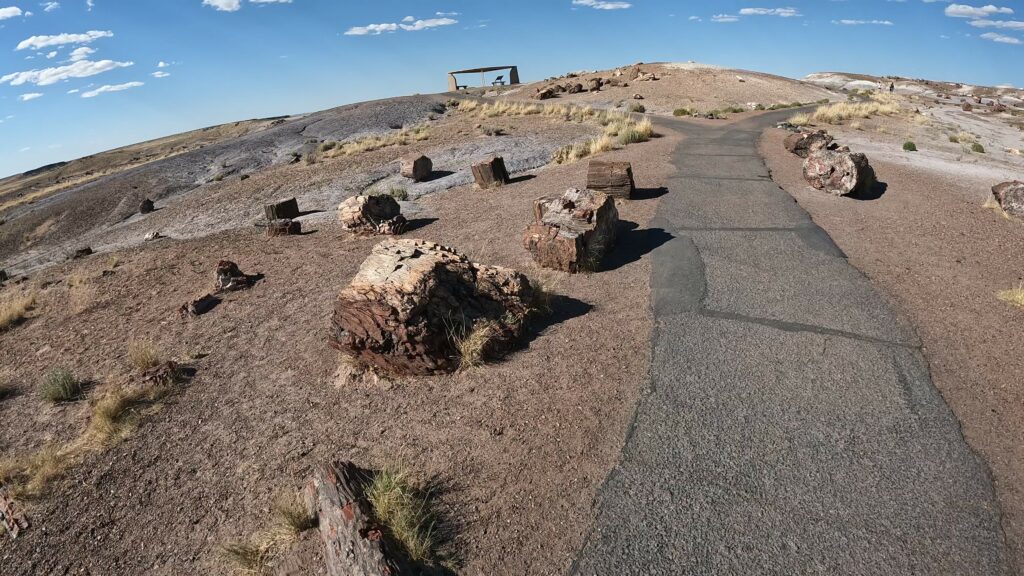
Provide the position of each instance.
(632, 244)
(417, 223)
(648, 193)
(876, 192)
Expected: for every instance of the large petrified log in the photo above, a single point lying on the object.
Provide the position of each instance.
(412, 300)
(612, 178)
(490, 173)
(418, 168)
(374, 214)
(803, 144)
(573, 231)
(281, 209)
(355, 544)
(839, 173)
(1010, 196)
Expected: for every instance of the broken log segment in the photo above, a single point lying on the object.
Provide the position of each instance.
(355, 544)
(490, 173)
(373, 214)
(11, 517)
(284, 227)
(572, 232)
(418, 168)
(287, 208)
(839, 173)
(612, 178)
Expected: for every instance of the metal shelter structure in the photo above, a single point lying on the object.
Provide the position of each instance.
(453, 82)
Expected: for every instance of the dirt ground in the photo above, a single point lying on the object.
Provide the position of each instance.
(930, 244)
(520, 446)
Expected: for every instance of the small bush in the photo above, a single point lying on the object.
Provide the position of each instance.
(14, 311)
(684, 112)
(637, 108)
(60, 385)
(405, 511)
(398, 193)
(800, 119)
(328, 146)
(909, 146)
(734, 110)
(473, 347)
(759, 107)
(143, 355)
(977, 148)
(856, 126)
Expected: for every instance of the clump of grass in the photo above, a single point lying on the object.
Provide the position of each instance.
(81, 294)
(1014, 296)
(733, 110)
(473, 346)
(403, 137)
(962, 138)
(784, 105)
(909, 146)
(633, 132)
(144, 354)
(684, 112)
(328, 146)
(404, 509)
(249, 557)
(800, 119)
(636, 108)
(290, 518)
(27, 477)
(879, 105)
(856, 125)
(977, 148)
(758, 107)
(116, 413)
(13, 311)
(398, 193)
(61, 385)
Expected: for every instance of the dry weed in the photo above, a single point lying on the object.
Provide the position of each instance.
(13, 311)
(404, 509)
(1014, 296)
(144, 354)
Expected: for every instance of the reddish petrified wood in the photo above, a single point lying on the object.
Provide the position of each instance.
(573, 231)
(11, 517)
(490, 173)
(373, 214)
(839, 173)
(803, 144)
(284, 227)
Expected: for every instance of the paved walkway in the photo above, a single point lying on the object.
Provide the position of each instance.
(791, 426)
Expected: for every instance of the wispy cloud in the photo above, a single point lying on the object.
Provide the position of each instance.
(50, 6)
(847, 22)
(160, 74)
(29, 96)
(111, 88)
(781, 12)
(1001, 38)
(47, 76)
(224, 5)
(406, 25)
(966, 11)
(37, 42)
(602, 4)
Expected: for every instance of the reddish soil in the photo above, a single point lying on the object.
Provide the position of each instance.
(520, 446)
(929, 242)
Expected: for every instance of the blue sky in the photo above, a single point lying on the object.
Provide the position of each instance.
(82, 76)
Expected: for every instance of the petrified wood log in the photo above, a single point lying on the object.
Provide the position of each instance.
(199, 306)
(803, 144)
(146, 206)
(355, 544)
(1010, 196)
(284, 227)
(412, 299)
(839, 173)
(490, 173)
(418, 167)
(11, 517)
(573, 231)
(612, 178)
(228, 277)
(284, 208)
(379, 214)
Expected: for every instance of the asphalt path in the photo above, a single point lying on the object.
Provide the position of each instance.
(790, 425)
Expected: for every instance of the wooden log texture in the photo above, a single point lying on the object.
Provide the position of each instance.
(1010, 196)
(11, 517)
(612, 178)
(418, 168)
(411, 300)
(839, 173)
(374, 214)
(803, 144)
(572, 232)
(287, 208)
(284, 227)
(490, 173)
(355, 545)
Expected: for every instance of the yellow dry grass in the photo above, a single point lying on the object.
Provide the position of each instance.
(255, 555)
(472, 347)
(800, 119)
(404, 509)
(15, 310)
(879, 105)
(403, 137)
(1014, 296)
(144, 354)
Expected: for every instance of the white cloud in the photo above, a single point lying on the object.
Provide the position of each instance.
(1001, 38)
(725, 18)
(224, 5)
(73, 91)
(47, 76)
(863, 22)
(446, 13)
(271, 1)
(81, 53)
(9, 12)
(37, 42)
(374, 29)
(1002, 24)
(50, 6)
(30, 96)
(160, 74)
(89, 5)
(781, 12)
(51, 54)
(111, 88)
(162, 64)
(602, 4)
(966, 11)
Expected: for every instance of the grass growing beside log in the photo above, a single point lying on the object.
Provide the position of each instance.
(144, 354)
(289, 519)
(404, 509)
(14, 310)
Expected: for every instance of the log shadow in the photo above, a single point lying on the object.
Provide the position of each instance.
(417, 223)
(437, 175)
(648, 193)
(308, 212)
(876, 192)
(523, 178)
(307, 232)
(561, 308)
(632, 244)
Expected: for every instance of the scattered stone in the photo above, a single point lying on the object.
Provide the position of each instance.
(419, 168)
(410, 297)
(648, 77)
(966, 107)
(999, 107)
(155, 235)
(11, 517)
(1010, 196)
(574, 88)
(82, 253)
(374, 214)
(199, 306)
(285, 208)
(637, 97)
(594, 85)
(572, 232)
(284, 227)
(544, 94)
(146, 207)
(163, 374)
(243, 177)
(3, 276)
(229, 278)
(612, 178)
(803, 144)
(490, 173)
(788, 127)
(839, 173)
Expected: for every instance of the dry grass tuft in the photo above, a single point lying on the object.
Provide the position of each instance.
(404, 509)
(256, 554)
(403, 137)
(144, 354)
(963, 138)
(81, 293)
(291, 516)
(117, 412)
(60, 385)
(472, 346)
(248, 557)
(27, 477)
(1014, 296)
(879, 105)
(13, 311)
(993, 204)
(800, 119)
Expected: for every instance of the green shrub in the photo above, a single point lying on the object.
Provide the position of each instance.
(684, 112)
(978, 148)
(759, 106)
(60, 385)
(637, 108)
(909, 146)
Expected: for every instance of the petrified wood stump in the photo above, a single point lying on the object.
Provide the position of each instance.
(839, 173)
(287, 208)
(418, 168)
(490, 173)
(379, 214)
(228, 277)
(572, 232)
(146, 206)
(612, 178)
(354, 543)
(284, 227)
(1010, 196)
(803, 144)
(412, 299)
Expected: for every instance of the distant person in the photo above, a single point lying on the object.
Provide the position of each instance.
(892, 87)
